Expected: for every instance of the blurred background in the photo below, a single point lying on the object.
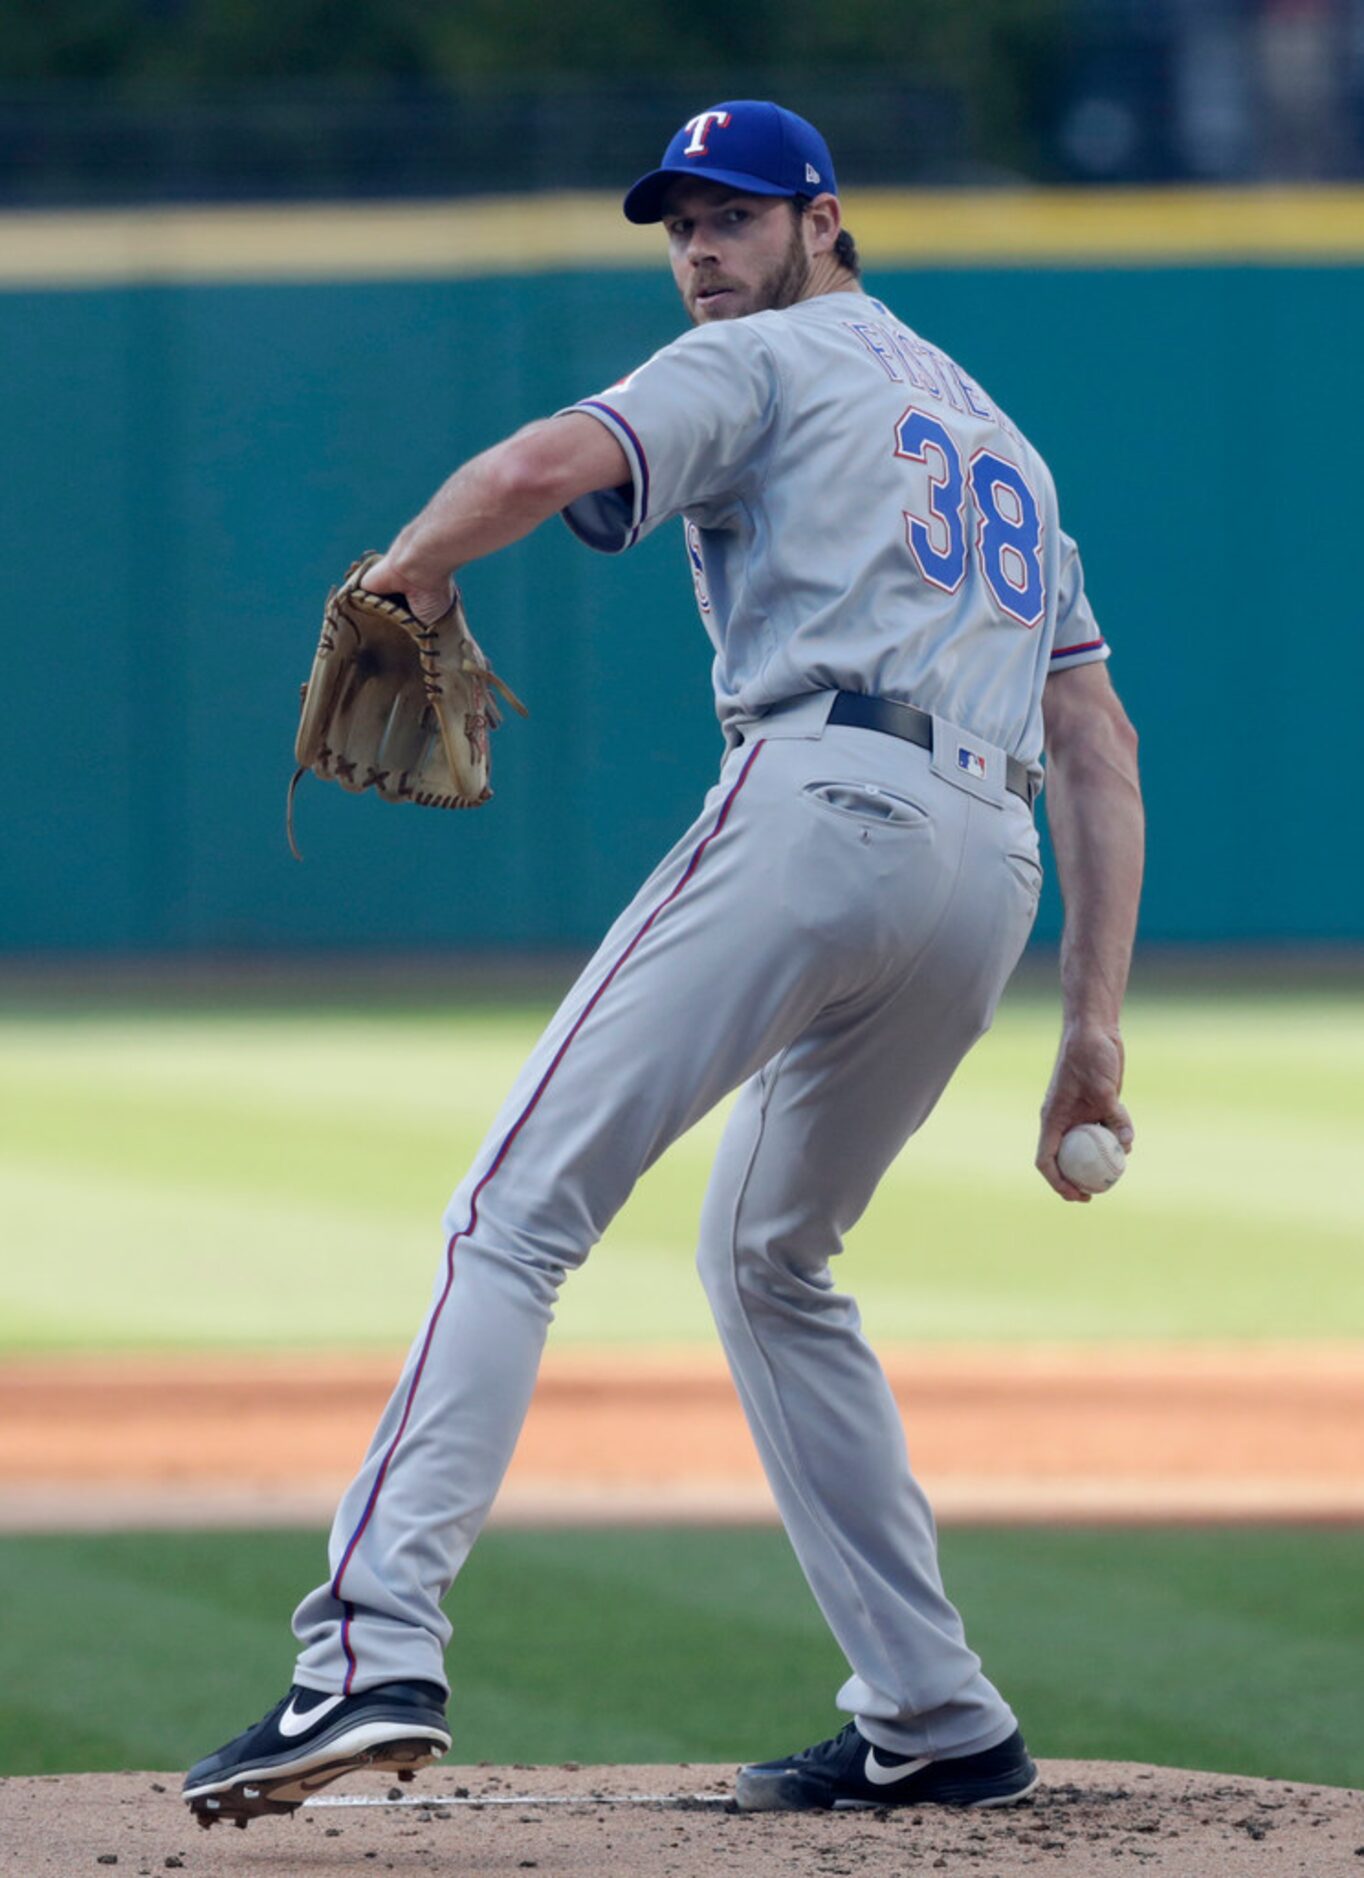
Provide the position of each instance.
(193, 100)
(267, 274)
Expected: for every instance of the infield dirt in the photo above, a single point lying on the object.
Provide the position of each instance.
(1088, 1818)
(1119, 1432)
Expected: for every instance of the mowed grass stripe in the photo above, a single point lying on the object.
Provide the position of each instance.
(1218, 1649)
(182, 1180)
(1213, 1649)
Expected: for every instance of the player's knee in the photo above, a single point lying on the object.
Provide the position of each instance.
(515, 1260)
(715, 1264)
(731, 1274)
(739, 1268)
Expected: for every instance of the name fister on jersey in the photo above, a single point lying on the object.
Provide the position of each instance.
(906, 359)
(860, 516)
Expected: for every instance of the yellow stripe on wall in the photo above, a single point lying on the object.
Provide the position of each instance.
(546, 233)
(345, 241)
(1142, 227)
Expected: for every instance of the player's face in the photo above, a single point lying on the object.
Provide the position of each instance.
(733, 254)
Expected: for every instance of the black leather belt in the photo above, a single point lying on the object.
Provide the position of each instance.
(916, 726)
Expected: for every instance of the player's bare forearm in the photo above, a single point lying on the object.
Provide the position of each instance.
(494, 500)
(1094, 811)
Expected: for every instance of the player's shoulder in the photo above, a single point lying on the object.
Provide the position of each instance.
(746, 335)
(819, 334)
(793, 340)
(825, 312)
(711, 355)
(720, 347)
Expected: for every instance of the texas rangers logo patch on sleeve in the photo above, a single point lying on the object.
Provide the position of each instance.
(698, 567)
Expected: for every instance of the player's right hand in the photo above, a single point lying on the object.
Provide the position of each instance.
(1085, 1087)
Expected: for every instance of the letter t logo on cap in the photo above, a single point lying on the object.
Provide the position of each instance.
(700, 129)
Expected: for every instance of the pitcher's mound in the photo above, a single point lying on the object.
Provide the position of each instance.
(673, 1822)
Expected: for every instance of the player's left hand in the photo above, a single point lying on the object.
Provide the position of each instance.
(1085, 1087)
(427, 595)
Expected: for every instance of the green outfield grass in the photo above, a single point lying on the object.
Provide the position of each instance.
(277, 1178)
(1226, 1650)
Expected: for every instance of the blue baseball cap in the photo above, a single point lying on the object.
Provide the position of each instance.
(758, 148)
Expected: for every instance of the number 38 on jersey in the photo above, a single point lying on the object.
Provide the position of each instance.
(1004, 519)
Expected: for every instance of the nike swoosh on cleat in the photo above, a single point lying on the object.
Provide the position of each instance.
(290, 1723)
(880, 1776)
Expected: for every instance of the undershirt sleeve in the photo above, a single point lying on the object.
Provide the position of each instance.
(695, 422)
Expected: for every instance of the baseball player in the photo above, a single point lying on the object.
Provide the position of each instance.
(899, 624)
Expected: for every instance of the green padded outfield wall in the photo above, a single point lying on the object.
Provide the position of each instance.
(190, 463)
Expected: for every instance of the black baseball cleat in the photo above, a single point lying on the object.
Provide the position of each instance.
(848, 1771)
(311, 1739)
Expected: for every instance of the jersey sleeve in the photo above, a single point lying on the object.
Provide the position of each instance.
(695, 422)
(1078, 639)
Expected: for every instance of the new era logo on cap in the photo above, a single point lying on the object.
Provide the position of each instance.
(747, 144)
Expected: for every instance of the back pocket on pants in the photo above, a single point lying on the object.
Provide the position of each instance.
(866, 802)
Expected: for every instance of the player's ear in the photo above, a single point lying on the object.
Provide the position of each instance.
(823, 220)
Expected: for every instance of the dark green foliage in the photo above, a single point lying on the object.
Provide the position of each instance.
(978, 71)
(184, 41)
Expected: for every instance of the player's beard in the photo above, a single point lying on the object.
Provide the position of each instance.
(781, 286)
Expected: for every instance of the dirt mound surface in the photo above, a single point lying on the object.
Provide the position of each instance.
(1131, 1432)
(674, 1822)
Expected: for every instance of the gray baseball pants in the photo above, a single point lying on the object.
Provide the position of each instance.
(830, 937)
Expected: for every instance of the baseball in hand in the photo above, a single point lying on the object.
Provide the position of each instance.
(1091, 1157)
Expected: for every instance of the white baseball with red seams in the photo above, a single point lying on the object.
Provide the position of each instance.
(1091, 1157)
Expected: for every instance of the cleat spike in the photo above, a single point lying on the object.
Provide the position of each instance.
(269, 1782)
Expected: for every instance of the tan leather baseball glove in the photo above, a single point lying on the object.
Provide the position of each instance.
(397, 705)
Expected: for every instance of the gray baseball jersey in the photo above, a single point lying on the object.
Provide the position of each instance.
(859, 514)
(828, 938)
